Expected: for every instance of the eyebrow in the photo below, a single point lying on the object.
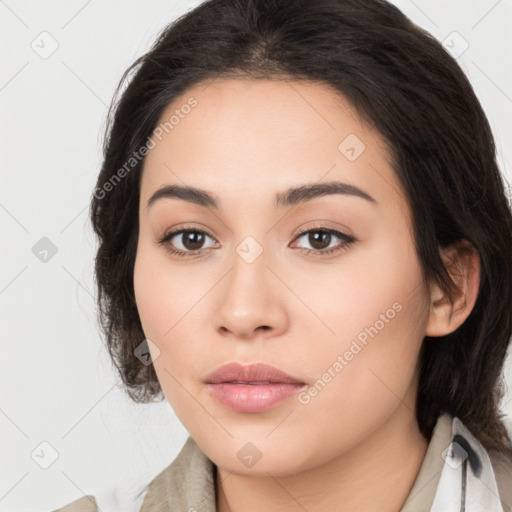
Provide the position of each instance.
(291, 196)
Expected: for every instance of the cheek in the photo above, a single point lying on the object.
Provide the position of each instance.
(150, 296)
(363, 292)
(160, 308)
(374, 310)
(170, 302)
(164, 292)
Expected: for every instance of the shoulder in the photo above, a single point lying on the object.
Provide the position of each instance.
(502, 467)
(188, 481)
(84, 504)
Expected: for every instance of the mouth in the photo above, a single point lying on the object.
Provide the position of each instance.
(257, 374)
(251, 383)
(251, 388)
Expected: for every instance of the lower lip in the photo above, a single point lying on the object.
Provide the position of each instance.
(252, 397)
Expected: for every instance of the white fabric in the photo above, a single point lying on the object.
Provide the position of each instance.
(467, 482)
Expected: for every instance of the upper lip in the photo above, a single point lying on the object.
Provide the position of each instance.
(250, 373)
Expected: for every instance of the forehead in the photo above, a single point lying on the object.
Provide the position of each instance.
(240, 135)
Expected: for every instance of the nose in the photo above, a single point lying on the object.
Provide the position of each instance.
(251, 301)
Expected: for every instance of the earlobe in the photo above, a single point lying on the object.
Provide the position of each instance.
(463, 264)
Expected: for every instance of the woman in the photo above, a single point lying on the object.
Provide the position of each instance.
(306, 248)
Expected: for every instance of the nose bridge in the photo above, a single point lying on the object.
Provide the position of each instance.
(248, 299)
(248, 281)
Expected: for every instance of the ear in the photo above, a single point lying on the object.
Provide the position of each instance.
(463, 264)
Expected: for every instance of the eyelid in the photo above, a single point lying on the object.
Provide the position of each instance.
(186, 227)
(325, 225)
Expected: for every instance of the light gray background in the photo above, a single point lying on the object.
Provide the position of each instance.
(57, 384)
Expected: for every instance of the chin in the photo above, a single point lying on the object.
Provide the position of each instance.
(259, 458)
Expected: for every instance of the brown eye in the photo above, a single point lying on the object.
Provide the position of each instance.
(319, 239)
(192, 240)
(186, 241)
(324, 241)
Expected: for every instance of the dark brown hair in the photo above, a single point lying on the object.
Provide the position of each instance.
(401, 81)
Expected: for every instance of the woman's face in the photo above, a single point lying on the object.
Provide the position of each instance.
(325, 287)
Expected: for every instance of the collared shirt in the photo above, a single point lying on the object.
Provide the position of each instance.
(456, 475)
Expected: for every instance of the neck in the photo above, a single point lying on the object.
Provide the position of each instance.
(380, 470)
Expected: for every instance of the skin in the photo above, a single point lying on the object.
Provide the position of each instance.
(356, 442)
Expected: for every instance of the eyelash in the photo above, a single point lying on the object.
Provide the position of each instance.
(347, 240)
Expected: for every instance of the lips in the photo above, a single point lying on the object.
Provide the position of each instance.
(251, 388)
(254, 374)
